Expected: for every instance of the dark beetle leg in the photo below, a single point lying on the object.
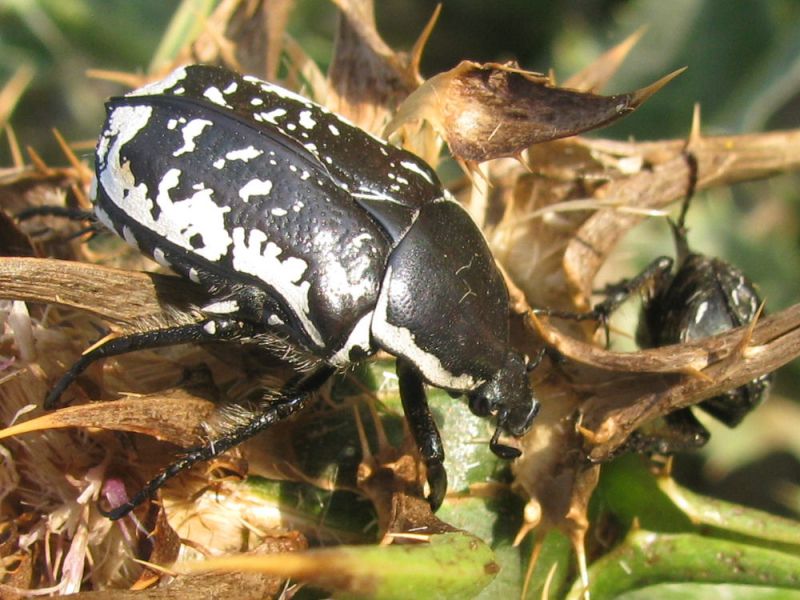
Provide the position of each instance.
(72, 214)
(680, 432)
(285, 406)
(207, 330)
(616, 295)
(424, 430)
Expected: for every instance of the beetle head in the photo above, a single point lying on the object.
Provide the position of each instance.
(508, 396)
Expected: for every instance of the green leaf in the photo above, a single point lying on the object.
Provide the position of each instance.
(647, 558)
(757, 525)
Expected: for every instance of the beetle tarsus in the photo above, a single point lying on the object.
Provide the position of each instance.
(502, 450)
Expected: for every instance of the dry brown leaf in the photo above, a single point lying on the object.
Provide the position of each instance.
(97, 289)
(487, 111)
(175, 417)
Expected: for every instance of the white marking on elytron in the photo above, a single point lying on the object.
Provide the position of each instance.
(102, 147)
(359, 240)
(272, 161)
(210, 328)
(190, 133)
(306, 121)
(179, 91)
(293, 168)
(271, 88)
(735, 296)
(400, 342)
(329, 160)
(244, 154)
(402, 180)
(215, 96)
(274, 320)
(256, 101)
(297, 206)
(394, 187)
(311, 147)
(255, 187)
(93, 189)
(172, 124)
(273, 115)
(258, 117)
(219, 163)
(124, 124)
(194, 275)
(291, 126)
(279, 212)
(232, 87)
(356, 280)
(701, 311)
(180, 220)
(391, 176)
(383, 151)
(251, 256)
(103, 217)
(158, 87)
(158, 255)
(305, 175)
(127, 235)
(333, 129)
(223, 307)
(359, 338)
(415, 168)
(368, 194)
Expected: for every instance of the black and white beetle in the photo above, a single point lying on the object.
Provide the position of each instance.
(312, 238)
(704, 297)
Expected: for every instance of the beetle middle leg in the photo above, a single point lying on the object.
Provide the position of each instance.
(206, 330)
(423, 428)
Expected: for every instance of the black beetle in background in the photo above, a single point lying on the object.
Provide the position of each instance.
(704, 296)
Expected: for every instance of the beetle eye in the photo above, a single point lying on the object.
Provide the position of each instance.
(480, 405)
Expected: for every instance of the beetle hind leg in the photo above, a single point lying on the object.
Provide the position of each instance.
(423, 428)
(291, 401)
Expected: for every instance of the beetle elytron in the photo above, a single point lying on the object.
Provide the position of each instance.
(312, 238)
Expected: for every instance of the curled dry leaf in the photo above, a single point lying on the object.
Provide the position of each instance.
(490, 110)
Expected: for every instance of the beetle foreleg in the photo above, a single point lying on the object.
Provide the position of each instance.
(424, 430)
(207, 330)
